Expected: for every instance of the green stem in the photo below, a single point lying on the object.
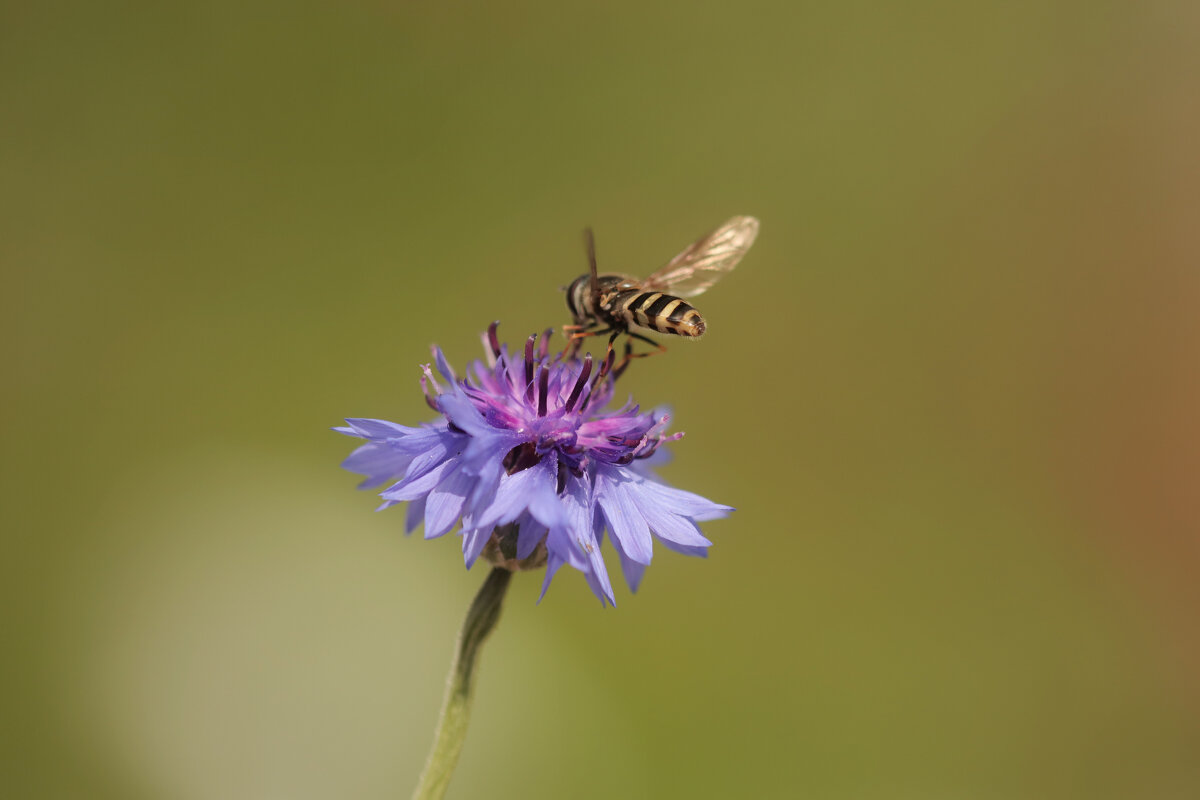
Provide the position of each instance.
(456, 705)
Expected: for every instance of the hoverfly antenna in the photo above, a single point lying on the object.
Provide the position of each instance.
(589, 243)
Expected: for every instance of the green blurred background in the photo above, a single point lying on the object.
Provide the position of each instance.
(952, 390)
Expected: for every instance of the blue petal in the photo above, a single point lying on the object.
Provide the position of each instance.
(553, 564)
(484, 456)
(600, 586)
(487, 482)
(462, 412)
(531, 489)
(428, 439)
(426, 461)
(632, 570)
(685, 504)
(579, 539)
(378, 462)
(544, 502)
(444, 503)
(530, 533)
(413, 515)
(443, 367)
(626, 522)
(473, 542)
(376, 429)
(489, 447)
(507, 503)
(418, 486)
(698, 552)
(667, 526)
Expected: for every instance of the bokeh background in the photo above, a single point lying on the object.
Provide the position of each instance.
(952, 390)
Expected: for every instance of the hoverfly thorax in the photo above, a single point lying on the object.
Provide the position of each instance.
(586, 306)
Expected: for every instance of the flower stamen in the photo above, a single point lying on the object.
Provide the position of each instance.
(529, 367)
(544, 347)
(580, 382)
(427, 379)
(491, 344)
(605, 368)
(543, 390)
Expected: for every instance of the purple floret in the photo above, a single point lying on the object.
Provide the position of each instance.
(533, 470)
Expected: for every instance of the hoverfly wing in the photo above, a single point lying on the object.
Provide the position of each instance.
(705, 261)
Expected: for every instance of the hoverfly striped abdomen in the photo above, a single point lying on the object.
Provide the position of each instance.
(657, 311)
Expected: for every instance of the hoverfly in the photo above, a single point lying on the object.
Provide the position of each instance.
(617, 304)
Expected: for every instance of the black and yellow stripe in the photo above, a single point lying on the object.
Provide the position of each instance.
(622, 304)
(658, 312)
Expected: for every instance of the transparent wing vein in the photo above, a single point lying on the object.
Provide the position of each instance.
(707, 260)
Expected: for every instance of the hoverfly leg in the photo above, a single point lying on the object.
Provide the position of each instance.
(630, 355)
(609, 358)
(571, 348)
(607, 365)
(575, 334)
(624, 359)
